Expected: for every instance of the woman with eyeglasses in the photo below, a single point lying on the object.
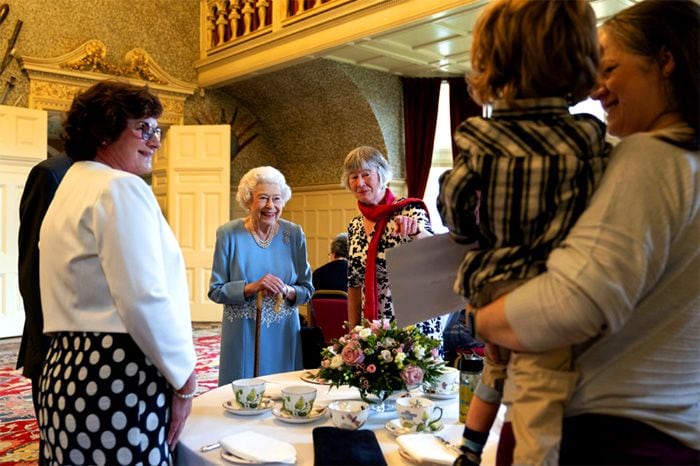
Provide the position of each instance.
(118, 381)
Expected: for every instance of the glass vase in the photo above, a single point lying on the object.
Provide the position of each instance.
(383, 401)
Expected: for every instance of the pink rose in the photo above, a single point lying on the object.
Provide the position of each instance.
(352, 354)
(386, 324)
(375, 325)
(371, 368)
(412, 375)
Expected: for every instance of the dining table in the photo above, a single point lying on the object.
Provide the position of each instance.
(212, 419)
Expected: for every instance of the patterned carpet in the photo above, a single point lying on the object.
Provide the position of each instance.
(19, 436)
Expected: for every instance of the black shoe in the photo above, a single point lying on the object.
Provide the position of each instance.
(468, 459)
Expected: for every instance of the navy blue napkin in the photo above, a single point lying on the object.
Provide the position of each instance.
(339, 447)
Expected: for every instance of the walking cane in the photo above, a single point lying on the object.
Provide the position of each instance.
(258, 317)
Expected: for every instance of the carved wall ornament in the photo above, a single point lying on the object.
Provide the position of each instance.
(139, 64)
(54, 81)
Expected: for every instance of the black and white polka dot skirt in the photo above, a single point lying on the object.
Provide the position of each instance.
(102, 402)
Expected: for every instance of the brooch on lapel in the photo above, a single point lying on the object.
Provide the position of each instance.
(285, 236)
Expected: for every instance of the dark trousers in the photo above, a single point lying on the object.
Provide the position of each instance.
(35, 394)
(598, 439)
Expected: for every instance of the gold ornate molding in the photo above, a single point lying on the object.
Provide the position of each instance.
(53, 82)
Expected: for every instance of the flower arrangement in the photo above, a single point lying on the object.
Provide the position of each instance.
(379, 358)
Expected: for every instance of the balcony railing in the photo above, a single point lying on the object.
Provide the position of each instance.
(233, 21)
(241, 38)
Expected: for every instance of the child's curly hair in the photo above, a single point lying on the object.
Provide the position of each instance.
(534, 48)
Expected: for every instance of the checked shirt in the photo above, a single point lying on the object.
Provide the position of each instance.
(520, 182)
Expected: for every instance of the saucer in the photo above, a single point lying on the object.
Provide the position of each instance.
(231, 458)
(394, 426)
(234, 408)
(438, 395)
(311, 376)
(284, 416)
(408, 457)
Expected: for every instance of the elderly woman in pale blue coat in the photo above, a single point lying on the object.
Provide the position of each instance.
(260, 254)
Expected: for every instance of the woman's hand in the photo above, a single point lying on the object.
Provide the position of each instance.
(269, 284)
(492, 352)
(179, 411)
(405, 226)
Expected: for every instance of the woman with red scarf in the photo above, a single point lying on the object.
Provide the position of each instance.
(384, 222)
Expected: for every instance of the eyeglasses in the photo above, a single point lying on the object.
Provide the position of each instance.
(148, 131)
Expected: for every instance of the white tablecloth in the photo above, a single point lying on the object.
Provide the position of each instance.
(209, 422)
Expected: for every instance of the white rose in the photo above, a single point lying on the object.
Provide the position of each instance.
(386, 355)
(337, 361)
(419, 351)
(365, 333)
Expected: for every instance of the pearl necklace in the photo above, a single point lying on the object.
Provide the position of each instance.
(263, 243)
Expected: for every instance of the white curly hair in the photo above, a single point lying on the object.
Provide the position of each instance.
(257, 175)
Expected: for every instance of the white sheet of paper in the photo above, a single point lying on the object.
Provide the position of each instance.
(421, 274)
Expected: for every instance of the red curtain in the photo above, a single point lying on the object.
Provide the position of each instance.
(420, 107)
(461, 106)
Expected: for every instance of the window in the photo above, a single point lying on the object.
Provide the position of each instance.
(589, 106)
(442, 157)
(442, 148)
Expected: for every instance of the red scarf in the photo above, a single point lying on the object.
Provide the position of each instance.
(379, 214)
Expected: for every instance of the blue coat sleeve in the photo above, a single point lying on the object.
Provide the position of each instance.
(223, 288)
(304, 287)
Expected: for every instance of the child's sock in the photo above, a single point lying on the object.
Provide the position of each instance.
(472, 445)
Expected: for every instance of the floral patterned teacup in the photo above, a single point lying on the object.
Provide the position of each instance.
(298, 400)
(418, 414)
(248, 392)
(349, 414)
(446, 383)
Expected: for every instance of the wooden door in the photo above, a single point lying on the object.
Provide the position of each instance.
(23, 135)
(191, 180)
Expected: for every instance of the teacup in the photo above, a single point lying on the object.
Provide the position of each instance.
(419, 414)
(298, 400)
(248, 392)
(446, 383)
(349, 414)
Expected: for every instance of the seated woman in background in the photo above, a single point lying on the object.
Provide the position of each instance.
(384, 222)
(261, 253)
(333, 275)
